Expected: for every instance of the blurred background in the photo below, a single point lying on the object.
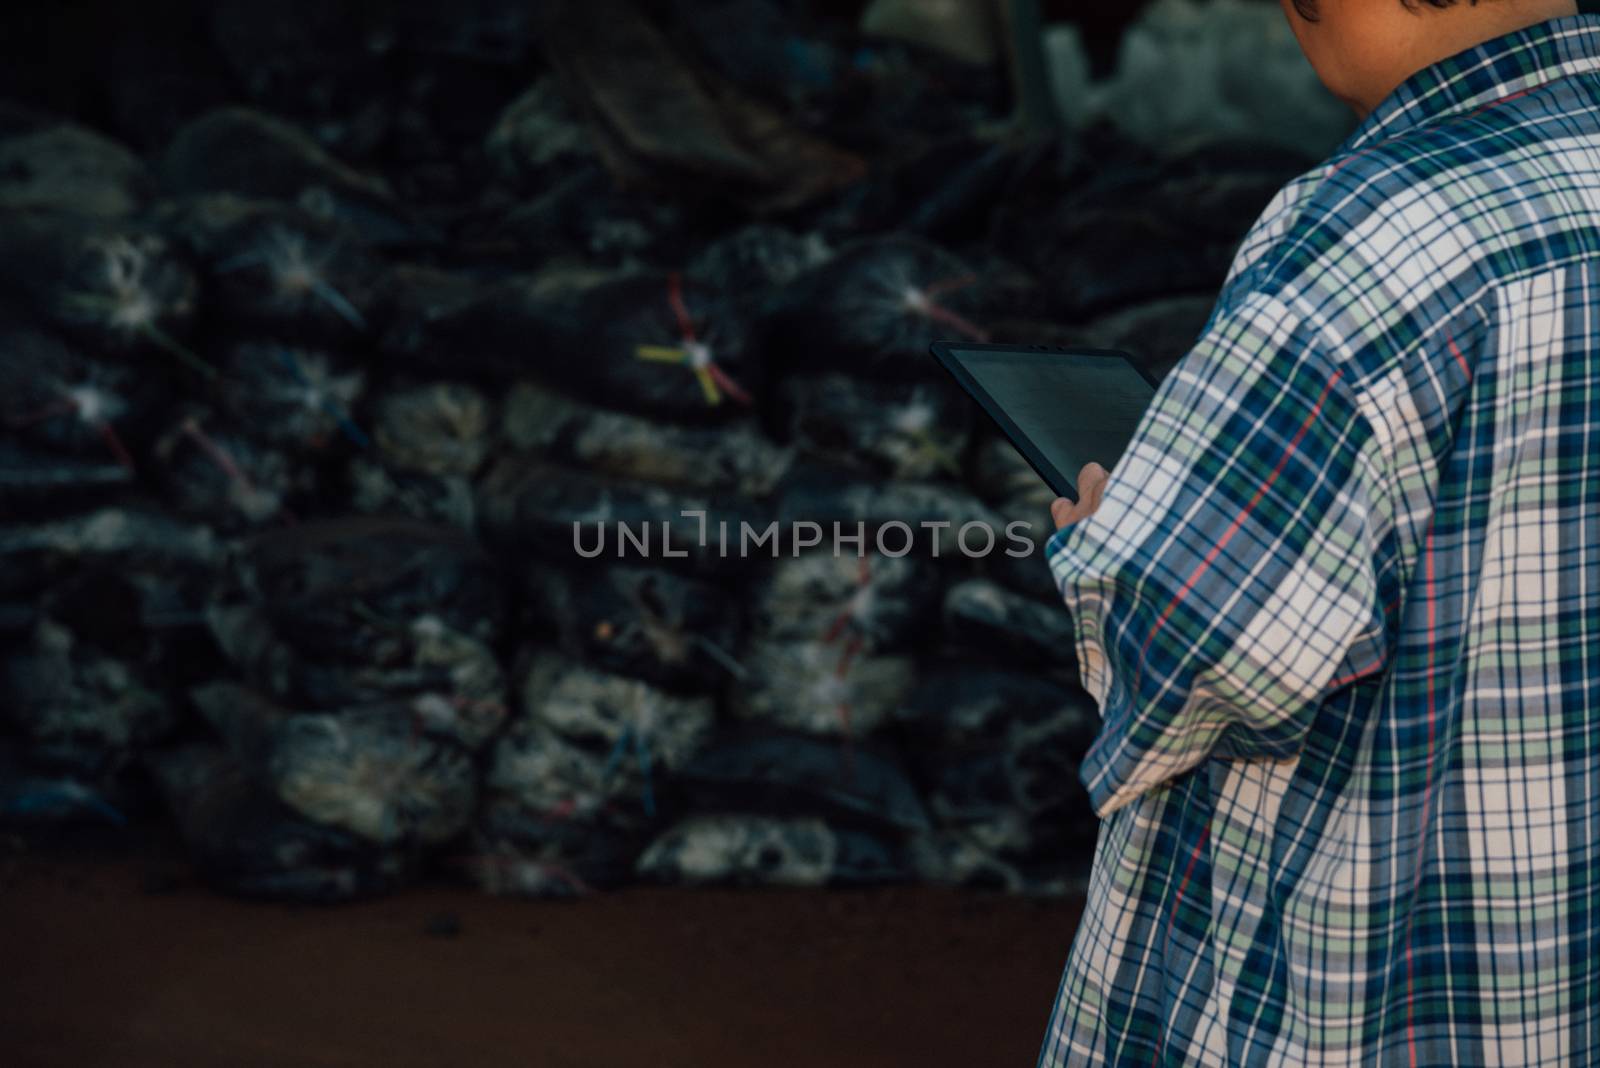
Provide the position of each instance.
(321, 324)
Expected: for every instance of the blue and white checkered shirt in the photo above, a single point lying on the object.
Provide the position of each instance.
(1341, 611)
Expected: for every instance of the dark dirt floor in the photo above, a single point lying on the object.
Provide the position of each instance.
(121, 959)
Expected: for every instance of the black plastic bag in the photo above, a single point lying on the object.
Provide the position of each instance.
(748, 262)
(376, 490)
(251, 154)
(734, 458)
(379, 772)
(573, 769)
(69, 168)
(80, 709)
(630, 720)
(1153, 233)
(822, 686)
(119, 288)
(788, 774)
(901, 430)
(582, 217)
(868, 602)
(644, 622)
(658, 345)
(1023, 499)
(338, 585)
(279, 270)
(126, 536)
(55, 399)
(661, 120)
(441, 428)
(1156, 334)
(520, 852)
(35, 483)
(294, 399)
(564, 517)
(425, 660)
(997, 752)
(981, 617)
(539, 137)
(766, 46)
(342, 612)
(227, 480)
(763, 850)
(973, 706)
(245, 841)
(967, 857)
(31, 797)
(901, 518)
(652, 344)
(872, 309)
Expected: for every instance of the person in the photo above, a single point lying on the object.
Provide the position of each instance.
(1339, 601)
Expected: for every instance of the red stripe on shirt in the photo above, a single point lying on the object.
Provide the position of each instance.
(1199, 844)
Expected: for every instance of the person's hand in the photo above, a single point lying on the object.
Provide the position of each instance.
(1091, 487)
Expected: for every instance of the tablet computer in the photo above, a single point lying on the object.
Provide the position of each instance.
(1060, 407)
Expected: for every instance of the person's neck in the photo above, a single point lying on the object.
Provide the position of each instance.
(1396, 42)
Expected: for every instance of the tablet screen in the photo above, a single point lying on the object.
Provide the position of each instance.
(1071, 407)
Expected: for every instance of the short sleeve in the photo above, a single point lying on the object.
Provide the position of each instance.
(1227, 583)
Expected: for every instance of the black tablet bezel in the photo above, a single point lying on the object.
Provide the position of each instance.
(1059, 482)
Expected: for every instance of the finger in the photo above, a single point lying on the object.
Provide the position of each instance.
(1061, 512)
(1092, 485)
(1097, 491)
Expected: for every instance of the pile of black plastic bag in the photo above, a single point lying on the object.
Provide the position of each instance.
(314, 352)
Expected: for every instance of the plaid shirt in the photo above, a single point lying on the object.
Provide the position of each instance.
(1341, 611)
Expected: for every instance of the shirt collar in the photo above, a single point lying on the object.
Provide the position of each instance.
(1517, 62)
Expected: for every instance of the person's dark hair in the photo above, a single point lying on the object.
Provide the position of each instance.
(1308, 8)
